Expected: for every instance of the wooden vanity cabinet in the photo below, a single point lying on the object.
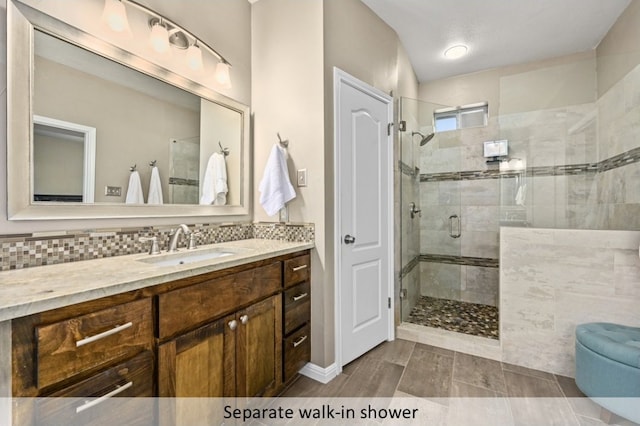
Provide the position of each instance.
(96, 350)
(237, 355)
(54, 349)
(243, 332)
(296, 324)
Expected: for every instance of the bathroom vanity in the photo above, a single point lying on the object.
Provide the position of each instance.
(234, 326)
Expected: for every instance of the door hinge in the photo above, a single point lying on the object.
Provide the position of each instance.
(389, 302)
(402, 126)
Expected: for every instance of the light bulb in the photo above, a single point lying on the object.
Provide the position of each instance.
(159, 38)
(194, 57)
(222, 74)
(115, 15)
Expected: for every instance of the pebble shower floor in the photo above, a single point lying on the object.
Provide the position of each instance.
(453, 315)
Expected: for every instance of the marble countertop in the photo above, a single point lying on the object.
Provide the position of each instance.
(32, 290)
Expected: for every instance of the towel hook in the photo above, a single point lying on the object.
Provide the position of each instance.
(223, 151)
(283, 143)
(133, 168)
(152, 163)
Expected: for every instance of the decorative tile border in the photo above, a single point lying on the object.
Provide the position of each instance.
(408, 170)
(406, 270)
(19, 251)
(621, 160)
(183, 181)
(449, 259)
(460, 260)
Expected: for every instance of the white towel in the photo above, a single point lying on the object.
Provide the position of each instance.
(155, 188)
(214, 184)
(275, 188)
(521, 194)
(134, 191)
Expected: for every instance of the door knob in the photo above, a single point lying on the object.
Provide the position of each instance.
(348, 239)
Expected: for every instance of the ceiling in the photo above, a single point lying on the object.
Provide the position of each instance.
(497, 32)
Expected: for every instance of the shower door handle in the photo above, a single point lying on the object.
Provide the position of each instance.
(454, 219)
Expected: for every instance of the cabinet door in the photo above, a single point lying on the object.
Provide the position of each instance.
(195, 366)
(259, 348)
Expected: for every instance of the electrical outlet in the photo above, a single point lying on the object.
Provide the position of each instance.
(113, 191)
(302, 177)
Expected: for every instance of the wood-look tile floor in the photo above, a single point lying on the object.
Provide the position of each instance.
(448, 379)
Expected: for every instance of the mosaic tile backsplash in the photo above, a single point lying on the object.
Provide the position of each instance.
(27, 250)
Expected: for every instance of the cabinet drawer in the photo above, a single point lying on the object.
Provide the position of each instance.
(83, 343)
(296, 270)
(105, 398)
(297, 352)
(188, 307)
(297, 306)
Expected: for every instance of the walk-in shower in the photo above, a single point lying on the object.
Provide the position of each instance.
(573, 162)
(449, 250)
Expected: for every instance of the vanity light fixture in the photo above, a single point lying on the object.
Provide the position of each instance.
(166, 34)
(159, 37)
(194, 57)
(115, 16)
(455, 52)
(222, 74)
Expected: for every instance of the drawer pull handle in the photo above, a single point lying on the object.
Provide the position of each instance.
(299, 341)
(244, 319)
(300, 296)
(300, 268)
(104, 334)
(103, 398)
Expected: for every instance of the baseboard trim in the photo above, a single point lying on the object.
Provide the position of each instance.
(320, 374)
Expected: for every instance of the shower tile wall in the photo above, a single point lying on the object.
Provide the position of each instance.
(445, 190)
(601, 139)
(580, 165)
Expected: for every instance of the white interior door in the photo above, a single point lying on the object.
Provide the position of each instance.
(364, 188)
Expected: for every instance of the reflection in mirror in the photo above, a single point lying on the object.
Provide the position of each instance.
(138, 119)
(63, 161)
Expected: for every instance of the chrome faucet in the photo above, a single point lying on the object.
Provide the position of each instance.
(175, 235)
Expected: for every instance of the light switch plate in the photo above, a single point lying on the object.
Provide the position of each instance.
(302, 177)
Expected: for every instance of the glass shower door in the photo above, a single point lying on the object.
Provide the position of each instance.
(430, 210)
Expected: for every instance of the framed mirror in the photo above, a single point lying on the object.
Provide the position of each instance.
(111, 118)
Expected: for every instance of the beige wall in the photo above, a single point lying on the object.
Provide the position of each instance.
(225, 25)
(551, 83)
(131, 127)
(287, 94)
(295, 47)
(58, 167)
(619, 51)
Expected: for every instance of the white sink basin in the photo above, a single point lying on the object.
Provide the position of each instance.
(186, 257)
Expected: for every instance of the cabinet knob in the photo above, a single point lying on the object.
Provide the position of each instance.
(233, 324)
(244, 319)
